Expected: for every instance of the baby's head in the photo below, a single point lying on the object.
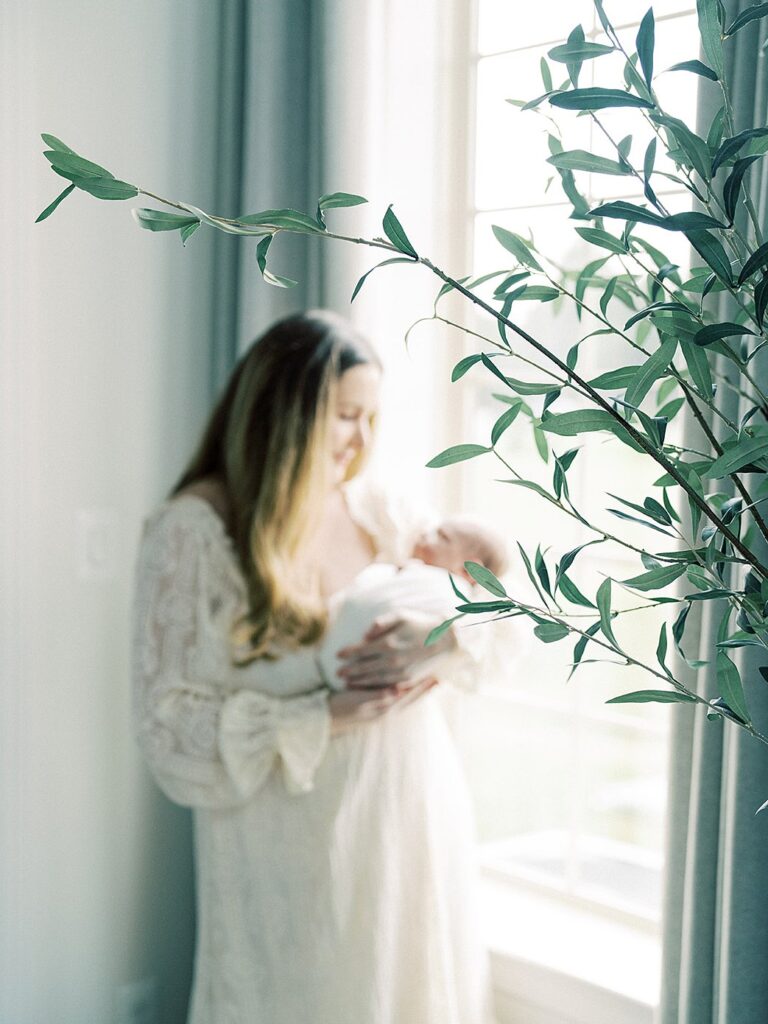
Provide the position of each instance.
(461, 539)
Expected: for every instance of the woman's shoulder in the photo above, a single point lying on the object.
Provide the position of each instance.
(198, 510)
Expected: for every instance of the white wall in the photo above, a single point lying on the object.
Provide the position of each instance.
(104, 361)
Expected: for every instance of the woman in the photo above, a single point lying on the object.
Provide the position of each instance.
(333, 834)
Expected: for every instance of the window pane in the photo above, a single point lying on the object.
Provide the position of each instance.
(512, 144)
(502, 26)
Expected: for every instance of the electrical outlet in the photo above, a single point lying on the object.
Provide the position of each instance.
(137, 1002)
(95, 538)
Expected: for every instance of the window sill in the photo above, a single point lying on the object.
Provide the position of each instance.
(555, 963)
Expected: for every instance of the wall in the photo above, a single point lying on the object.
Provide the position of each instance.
(105, 359)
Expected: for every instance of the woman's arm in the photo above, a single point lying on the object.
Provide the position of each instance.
(206, 746)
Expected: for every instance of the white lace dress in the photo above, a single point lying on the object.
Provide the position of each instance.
(335, 875)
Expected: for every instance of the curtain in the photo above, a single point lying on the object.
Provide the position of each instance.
(715, 943)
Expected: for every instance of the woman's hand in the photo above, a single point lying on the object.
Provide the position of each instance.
(351, 708)
(392, 651)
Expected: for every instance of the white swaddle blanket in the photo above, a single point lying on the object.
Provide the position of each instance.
(379, 589)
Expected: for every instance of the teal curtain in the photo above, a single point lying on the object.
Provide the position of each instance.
(715, 936)
(269, 155)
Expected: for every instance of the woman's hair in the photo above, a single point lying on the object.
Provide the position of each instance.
(267, 440)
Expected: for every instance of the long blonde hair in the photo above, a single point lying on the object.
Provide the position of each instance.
(267, 441)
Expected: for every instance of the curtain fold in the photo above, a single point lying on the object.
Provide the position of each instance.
(232, 61)
(715, 967)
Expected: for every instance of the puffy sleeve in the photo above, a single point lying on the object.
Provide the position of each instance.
(206, 742)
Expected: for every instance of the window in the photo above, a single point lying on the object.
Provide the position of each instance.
(569, 792)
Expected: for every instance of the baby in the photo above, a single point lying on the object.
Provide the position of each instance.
(419, 584)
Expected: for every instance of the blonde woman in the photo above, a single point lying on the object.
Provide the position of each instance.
(333, 834)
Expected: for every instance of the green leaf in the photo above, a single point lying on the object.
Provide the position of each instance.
(529, 570)
(650, 508)
(716, 332)
(457, 453)
(604, 607)
(261, 258)
(551, 632)
(674, 323)
(538, 293)
(523, 387)
(188, 230)
(710, 249)
(650, 371)
(580, 160)
(730, 686)
(733, 183)
(750, 14)
(69, 165)
(568, 53)
(52, 206)
(519, 248)
(661, 649)
(644, 45)
(602, 238)
(333, 200)
(716, 130)
(463, 364)
(597, 99)
(653, 696)
(731, 146)
(53, 143)
(607, 295)
(743, 453)
(643, 313)
(581, 643)
(687, 222)
(581, 421)
(761, 300)
(505, 420)
(655, 579)
(283, 220)
(571, 592)
(695, 149)
(756, 261)
(508, 284)
(588, 278)
(384, 263)
(107, 188)
(483, 607)
(648, 163)
(540, 440)
(529, 485)
(434, 634)
(569, 558)
(457, 592)
(393, 229)
(541, 571)
(711, 37)
(546, 76)
(697, 67)
(338, 199)
(642, 522)
(485, 578)
(158, 220)
(698, 366)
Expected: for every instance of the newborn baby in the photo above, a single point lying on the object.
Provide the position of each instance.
(420, 584)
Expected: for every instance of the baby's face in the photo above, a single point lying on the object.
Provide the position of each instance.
(446, 546)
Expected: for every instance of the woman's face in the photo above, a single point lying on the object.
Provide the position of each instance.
(357, 400)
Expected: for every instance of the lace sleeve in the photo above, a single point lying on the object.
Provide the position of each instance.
(206, 745)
